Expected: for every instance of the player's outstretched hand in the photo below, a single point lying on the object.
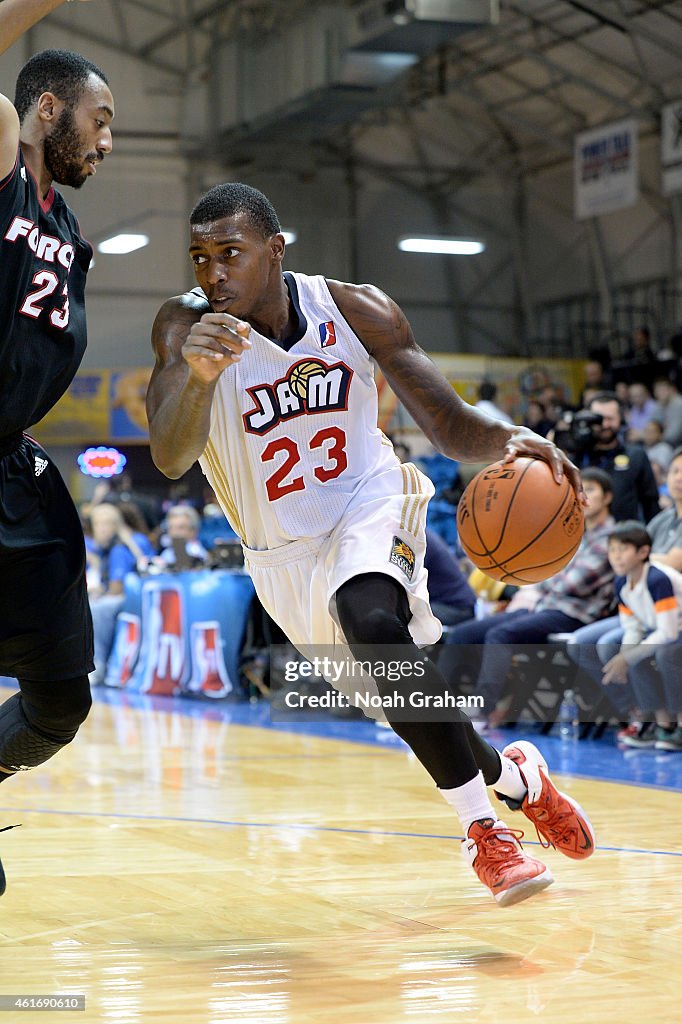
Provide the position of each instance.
(214, 343)
(526, 442)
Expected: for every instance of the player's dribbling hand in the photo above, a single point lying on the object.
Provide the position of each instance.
(215, 342)
(527, 443)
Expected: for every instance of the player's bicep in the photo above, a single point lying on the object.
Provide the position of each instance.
(9, 136)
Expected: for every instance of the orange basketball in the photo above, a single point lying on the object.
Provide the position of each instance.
(517, 524)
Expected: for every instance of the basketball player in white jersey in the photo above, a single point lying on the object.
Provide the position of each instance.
(267, 379)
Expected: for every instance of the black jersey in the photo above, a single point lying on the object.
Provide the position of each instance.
(43, 266)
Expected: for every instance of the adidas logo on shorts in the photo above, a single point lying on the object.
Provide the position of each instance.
(40, 465)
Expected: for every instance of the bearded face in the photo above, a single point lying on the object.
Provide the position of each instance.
(65, 151)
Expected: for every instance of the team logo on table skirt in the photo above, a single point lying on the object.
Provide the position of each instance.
(163, 612)
(209, 674)
(126, 648)
(403, 556)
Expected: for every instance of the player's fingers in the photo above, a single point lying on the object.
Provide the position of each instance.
(213, 352)
(227, 321)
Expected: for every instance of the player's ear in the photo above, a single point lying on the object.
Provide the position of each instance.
(277, 247)
(49, 107)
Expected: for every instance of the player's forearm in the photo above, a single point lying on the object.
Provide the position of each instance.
(18, 16)
(179, 428)
(453, 427)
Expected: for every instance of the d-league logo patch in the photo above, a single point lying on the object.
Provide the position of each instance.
(327, 334)
(402, 555)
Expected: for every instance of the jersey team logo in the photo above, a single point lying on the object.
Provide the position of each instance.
(402, 555)
(309, 387)
(327, 334)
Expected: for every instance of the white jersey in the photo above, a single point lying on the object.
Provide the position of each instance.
(294, 441)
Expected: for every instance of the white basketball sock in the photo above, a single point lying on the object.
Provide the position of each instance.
(510, 782)
(470, 802)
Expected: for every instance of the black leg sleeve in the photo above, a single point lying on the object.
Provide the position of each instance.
(373, 609)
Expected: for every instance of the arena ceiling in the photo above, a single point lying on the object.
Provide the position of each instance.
(509, 96)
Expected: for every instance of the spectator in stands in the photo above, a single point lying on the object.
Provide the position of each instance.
(452, 599)
(658, 451)
(643, 408)
(551, 401)
(650, 607)
(635, 492)
(214, 523)
(536, 418)
(578, 594)
(112, 551)
(593, 645)
(641, 353)
(665, 529)
(183, 524)
(118, 490)
(670, 402)
(595, 378)
(487, 393)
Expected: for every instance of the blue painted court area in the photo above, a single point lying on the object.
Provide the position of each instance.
(594, 759)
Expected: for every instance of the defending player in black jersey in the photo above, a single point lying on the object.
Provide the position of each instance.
(58, 130)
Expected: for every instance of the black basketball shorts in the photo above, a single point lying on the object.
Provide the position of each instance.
(45, 622)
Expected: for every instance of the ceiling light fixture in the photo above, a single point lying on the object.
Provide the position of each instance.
(122, 243)
(444, 245)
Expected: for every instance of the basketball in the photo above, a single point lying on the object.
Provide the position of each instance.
(301, 374)
(517, 524)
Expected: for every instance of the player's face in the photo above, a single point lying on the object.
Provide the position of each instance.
(81, 136)
(234, 264)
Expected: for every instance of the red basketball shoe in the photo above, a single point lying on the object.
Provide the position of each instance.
(559, 821)
(497, 857)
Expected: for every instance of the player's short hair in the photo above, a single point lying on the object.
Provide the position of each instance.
(630, 531)
(598, 476)
(233, 197)
(58, 71)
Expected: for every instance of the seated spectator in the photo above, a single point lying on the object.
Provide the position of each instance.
(487, 393)
(592, 646)
(595, 378)
(658, 451)
(650, 655)
(635, 492)
(641, 351)
(215, 525)
(112, 551)
(452, 599)
(536, 418)
(643, 408)
(578, 594)
(670, 402)
(183, 524)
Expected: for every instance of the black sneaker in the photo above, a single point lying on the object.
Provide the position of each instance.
(669, 739)
(644, 738)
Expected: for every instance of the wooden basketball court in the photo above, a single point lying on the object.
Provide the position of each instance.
(178, 867)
